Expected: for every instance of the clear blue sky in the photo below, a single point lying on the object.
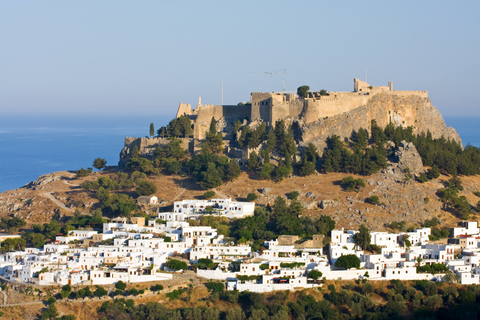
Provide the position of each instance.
(145, 57)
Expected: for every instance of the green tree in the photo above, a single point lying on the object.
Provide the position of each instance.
(211, 177)
(121, 285)
(363, 237)
(252, 196)
(253, 164)
(315, 274)
(433, 172)
(209, 194)
(51, 313)
(373, 200)
(99, 163)
(266, 171)
(348, 261)
(307, 168)
(38, 240)
(174, 264)
(233, 170)
(152, 130)
(100, 292)
(145, 188)
(349, 183)
(302, 91)
(213, 126)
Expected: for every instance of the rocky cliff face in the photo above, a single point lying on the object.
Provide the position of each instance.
(385, 107)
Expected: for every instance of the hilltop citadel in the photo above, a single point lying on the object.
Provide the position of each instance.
(313, 118)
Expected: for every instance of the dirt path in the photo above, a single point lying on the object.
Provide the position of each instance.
(179, 194)
(49, 195)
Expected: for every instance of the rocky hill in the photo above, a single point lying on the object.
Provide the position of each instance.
(401, 198)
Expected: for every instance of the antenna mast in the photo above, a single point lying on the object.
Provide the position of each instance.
(283, 77)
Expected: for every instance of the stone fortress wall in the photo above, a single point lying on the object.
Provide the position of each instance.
(316, 116)
(273, 106)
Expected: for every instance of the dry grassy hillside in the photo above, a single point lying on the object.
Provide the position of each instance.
(401, 199)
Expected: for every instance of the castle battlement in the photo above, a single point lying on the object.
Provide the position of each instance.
(270, 107)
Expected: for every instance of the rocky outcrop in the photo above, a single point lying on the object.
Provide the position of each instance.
(145, 147)
(42, 180)
(412, 110)
(407, 156)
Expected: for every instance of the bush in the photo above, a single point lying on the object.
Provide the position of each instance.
(293, 195)
(157, 287)
(209, 194)
(121, 285)
(204, 264)
(422, 178)
(373, 200)
(51, 300)
(100, 292)
(348, 261)
(174, 264)
(145, 188)
(350, 184)
(315, 274)
(67, 288)
(175, 294)
(252, 196)
(133, 292)
(83, 172)
(215, 286)
(367, 288)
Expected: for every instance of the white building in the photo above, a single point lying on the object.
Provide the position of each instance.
(223, 207)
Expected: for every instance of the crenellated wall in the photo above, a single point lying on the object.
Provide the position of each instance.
(402, 110)
(317, 116)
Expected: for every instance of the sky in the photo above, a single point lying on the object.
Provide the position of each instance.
(145, 57)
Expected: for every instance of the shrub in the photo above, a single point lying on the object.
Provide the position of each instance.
(215, 286)
(348, 261)
(133, 292)
(51, 300)
(174, 264)
(145, 188)
(157, 287)
(121, 285)
(373, 200)
(350, 184)
(293, 195)
(422, 178)
(100, 292)
(67, 288)
(129, 303)
(367, 288)
(175, 294)
(83, 172)
(252, 196)
(315, 274)
(204, 264)
(209, 194)
(80, 294)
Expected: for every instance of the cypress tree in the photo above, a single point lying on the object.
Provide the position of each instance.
(152, 130)
(213, 126)
(288, 164)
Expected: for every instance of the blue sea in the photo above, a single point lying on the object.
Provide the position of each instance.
(35, 145)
